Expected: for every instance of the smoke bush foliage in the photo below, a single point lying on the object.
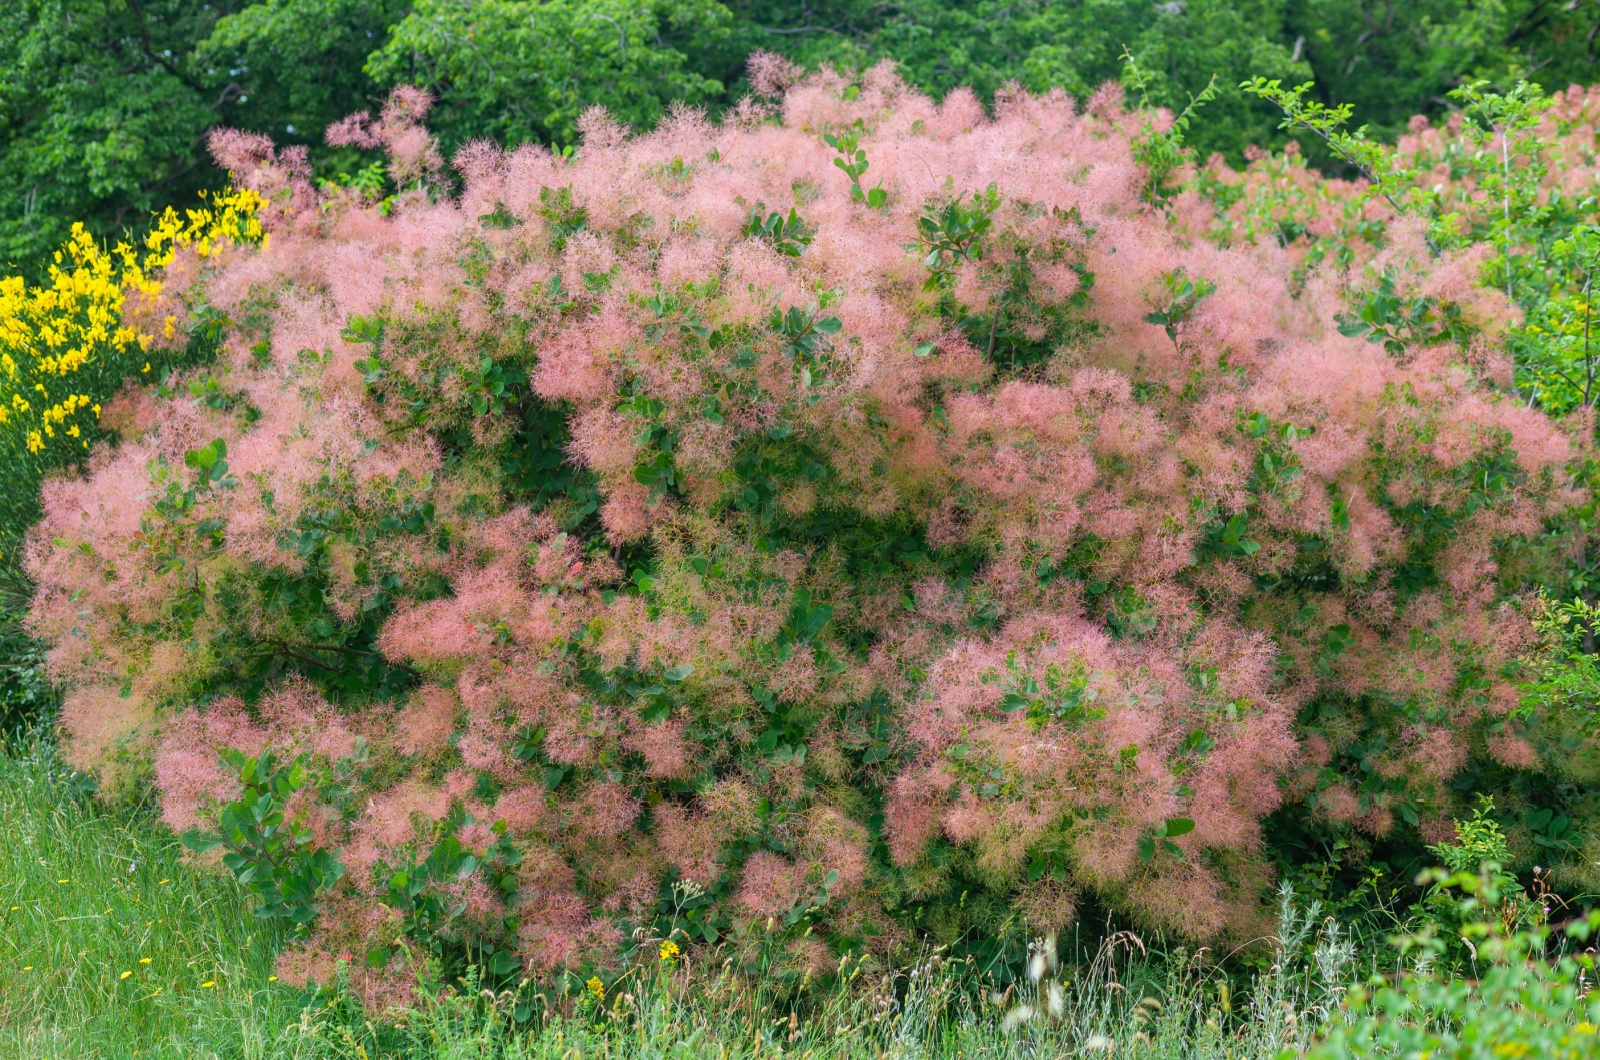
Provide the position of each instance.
(970, 542)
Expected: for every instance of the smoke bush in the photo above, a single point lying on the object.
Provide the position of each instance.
(685, 535)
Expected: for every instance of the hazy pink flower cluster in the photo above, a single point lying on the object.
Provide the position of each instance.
(413, 152)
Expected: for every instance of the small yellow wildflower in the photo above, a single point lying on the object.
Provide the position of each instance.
(669, 951)
(208, 984)
(596, 987)
(124, 975)
(272, 979)
(144, 960)
(27, 967)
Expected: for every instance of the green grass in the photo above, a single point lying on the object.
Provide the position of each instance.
(86, 896)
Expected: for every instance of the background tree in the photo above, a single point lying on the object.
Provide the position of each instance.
(299, 63)
(103, 103)
(102, 111)
(521, 70)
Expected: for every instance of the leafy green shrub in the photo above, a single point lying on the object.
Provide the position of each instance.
(271, 857)
(1518, 1001)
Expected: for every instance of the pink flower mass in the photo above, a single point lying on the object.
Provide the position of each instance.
(578, 515)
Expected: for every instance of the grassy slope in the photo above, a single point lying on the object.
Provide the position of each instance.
(86, 897)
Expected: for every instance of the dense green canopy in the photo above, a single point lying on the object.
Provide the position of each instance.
(104, 103)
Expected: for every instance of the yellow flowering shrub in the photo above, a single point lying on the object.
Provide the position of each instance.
(67, 344)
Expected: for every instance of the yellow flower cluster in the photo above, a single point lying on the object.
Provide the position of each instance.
(56, 416)
(231, 219)
(65, 345)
